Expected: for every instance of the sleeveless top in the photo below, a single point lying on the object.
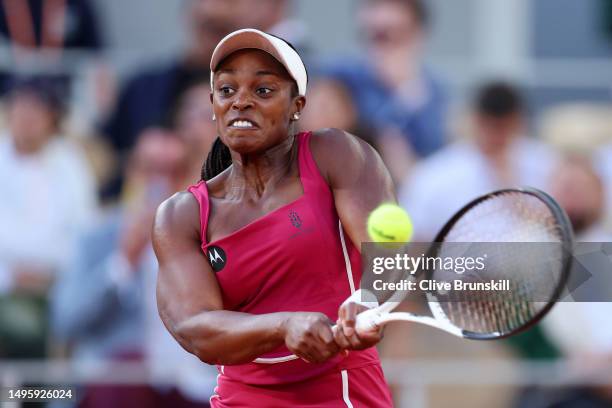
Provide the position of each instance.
(296, 258)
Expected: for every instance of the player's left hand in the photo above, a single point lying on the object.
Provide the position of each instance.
(345, 334)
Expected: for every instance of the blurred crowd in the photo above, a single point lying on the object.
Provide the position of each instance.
(77, 272)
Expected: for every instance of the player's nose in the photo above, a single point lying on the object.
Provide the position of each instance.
(242, 101)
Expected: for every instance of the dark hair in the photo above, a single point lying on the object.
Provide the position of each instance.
(498, 99)
(49, 90)
(417, 7)
(219, 157)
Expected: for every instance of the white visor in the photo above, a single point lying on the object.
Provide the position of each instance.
(252, 38)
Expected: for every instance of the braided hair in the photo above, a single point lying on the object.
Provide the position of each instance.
(219, 157)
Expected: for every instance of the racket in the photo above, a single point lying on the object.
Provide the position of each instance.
(537, 273)
(526, 217)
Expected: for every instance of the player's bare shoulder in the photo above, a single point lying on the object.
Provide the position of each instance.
(177, 215)
(337, 152)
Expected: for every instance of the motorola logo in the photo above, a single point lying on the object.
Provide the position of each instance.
(217, 258)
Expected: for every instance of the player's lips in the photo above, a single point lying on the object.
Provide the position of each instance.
(242, 123)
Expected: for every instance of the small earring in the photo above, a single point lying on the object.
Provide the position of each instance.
(214, 117)
(296, 116)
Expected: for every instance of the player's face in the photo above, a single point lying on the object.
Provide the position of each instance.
(253, 101)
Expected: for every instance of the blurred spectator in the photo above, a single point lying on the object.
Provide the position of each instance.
(97, 305)
(48, 196)
(272, 16)
(50, 24)
(105, 305)
(194, 125)
(603, 162)
(497, 156)
(583, 128)
(390, 88)
(580, 328)
(148, 99)
(330, 105)
(579, 189)
(577, 126)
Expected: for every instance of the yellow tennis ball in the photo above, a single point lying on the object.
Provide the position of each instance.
(389, 223)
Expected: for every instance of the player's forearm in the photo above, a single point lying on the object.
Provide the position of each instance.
(226, 338)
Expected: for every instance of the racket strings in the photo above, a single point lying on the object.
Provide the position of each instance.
(510, 217)
(486, 312)
(502, 225)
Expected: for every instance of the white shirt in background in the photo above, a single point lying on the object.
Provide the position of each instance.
(583, 327)
(442, 184)
(602, 158)
(45, 200)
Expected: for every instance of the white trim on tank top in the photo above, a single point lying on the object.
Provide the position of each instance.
(349, 274)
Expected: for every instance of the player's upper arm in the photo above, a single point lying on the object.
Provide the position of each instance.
(186, 283)
(356, 175)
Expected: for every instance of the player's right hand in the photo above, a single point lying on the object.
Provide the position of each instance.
(345, 333)
(309, 336)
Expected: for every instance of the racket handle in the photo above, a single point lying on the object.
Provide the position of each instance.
(368, 321)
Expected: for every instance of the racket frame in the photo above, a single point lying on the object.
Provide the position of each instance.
(567, 240)
(372, 319)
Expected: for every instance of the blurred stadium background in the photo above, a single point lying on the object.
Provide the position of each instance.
(105, 113)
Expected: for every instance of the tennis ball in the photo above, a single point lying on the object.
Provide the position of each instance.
(389, 223)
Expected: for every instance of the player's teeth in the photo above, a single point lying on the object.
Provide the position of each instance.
(242, 123)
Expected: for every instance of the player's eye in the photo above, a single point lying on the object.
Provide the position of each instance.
(226, 90)
(264, 91)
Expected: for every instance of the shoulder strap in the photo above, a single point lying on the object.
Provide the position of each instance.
(200, 192)
(310, 175)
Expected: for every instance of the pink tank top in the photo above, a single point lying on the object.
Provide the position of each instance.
(296, 258)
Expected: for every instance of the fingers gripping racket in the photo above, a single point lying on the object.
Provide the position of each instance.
(537, 277)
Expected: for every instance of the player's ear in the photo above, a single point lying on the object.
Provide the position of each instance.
(299, 102)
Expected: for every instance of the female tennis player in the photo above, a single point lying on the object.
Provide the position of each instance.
(257, 258)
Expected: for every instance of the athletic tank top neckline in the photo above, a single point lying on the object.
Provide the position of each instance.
(298, 140)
